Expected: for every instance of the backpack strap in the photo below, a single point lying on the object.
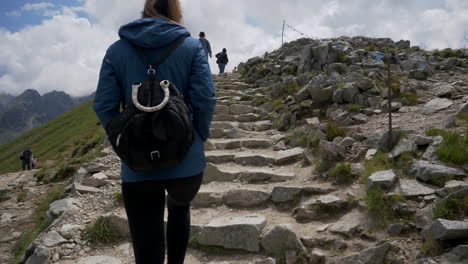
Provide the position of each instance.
(166, 53)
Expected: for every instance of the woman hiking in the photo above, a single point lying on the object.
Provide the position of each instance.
(187, 67)
(222, 60)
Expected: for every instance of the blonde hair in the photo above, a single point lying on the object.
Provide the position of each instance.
(167, 9)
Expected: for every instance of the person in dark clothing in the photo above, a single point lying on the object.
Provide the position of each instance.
(222, 60)
(205, 44)
(26, 157)
(187, 67)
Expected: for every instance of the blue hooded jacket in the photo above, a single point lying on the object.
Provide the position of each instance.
(187, 67)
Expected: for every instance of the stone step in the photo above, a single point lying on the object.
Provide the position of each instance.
(239, 195)
(251, 143)
(231, 101)
(256, 157)
(238, 109)
(238, 86)
(259, 126)
(248, 174)
(230, 93)
(238, 118)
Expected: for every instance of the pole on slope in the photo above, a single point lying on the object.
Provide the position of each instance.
(282, 33)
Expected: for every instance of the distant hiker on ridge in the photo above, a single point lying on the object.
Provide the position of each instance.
(222, 60)
(205, 44)
(169, 100)
(35, 162)
(26, 158)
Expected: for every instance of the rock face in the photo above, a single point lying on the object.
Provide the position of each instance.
(234, 233)
(39, 256)
(369, 256)
(280, 239)
(442, 229)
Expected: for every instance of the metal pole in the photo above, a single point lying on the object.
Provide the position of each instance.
(282, 33)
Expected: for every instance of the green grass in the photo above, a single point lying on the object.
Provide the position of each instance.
(411, 97)
(455, 208)
(22, 195)
(62, 174)
(4, 195)
(354, 108)
(76, 131)
(287, 89)
(342, 174)
(463, 116)
(118, 198)
(379, 162)
(454, 147)
(381, 207)
(431, 247)
(100, 232)
(333, 130)
(277, 103)
(260, 101)
(448, 53)
(40, 222)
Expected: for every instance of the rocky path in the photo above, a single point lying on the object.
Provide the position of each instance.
(259, 200)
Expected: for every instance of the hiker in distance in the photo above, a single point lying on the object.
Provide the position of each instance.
(160, 135)
(222, 60)
(206, 44)
(26, 158)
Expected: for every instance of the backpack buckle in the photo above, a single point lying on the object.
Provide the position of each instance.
(151, 71)
(153, 153)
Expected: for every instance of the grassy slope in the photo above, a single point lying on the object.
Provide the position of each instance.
(57, 140)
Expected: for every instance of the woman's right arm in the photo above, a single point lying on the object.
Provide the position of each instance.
(108, 94)
(202, 94)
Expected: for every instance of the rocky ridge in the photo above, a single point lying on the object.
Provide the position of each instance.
(265, 198)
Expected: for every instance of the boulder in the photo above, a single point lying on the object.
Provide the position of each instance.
(350, 91)
(70, 231)
(444, 90)
(213, 174)
(40, 255)
(428, 171)
(382, 179)
(280, 239)
(362, 82)
(349, 224)
(234, 233)
(61, 206)
(442, 229)
(436, 105)
(331, 151)
(96, 180)
(458, 255)
(52, 238)
(413, 188)
(403, 146)
(119, 224)
(369, 256)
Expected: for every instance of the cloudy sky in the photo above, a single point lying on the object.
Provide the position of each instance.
(59, 44)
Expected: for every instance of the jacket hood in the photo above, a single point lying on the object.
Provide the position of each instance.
(152, 32)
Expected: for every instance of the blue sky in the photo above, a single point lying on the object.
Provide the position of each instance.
(27, 18)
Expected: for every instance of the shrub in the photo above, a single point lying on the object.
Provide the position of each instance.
(100, 232)
(411, 97)
(343, 58)
(342, 174)
(277, 103)
(63, 173)
(22, 196)
(463, 116)
(455, 208)
(379, 162)
(454, 149)
(260, 101)
(448, 53)
(118, 197)
(380, 207)
(333, 130)
(354, 108)
(371, 47)
(431, 247)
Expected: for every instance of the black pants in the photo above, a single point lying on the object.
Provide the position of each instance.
(144, 204)
(26, 164)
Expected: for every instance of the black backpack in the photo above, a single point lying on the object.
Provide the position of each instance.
(155, 129)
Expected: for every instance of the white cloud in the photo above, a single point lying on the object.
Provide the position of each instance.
(65, 51)
(14, 13)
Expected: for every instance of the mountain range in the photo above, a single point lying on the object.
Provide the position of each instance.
(19, 114)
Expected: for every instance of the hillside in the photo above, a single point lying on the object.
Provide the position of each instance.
(300, 167)
(29, 109)
(56, 141)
